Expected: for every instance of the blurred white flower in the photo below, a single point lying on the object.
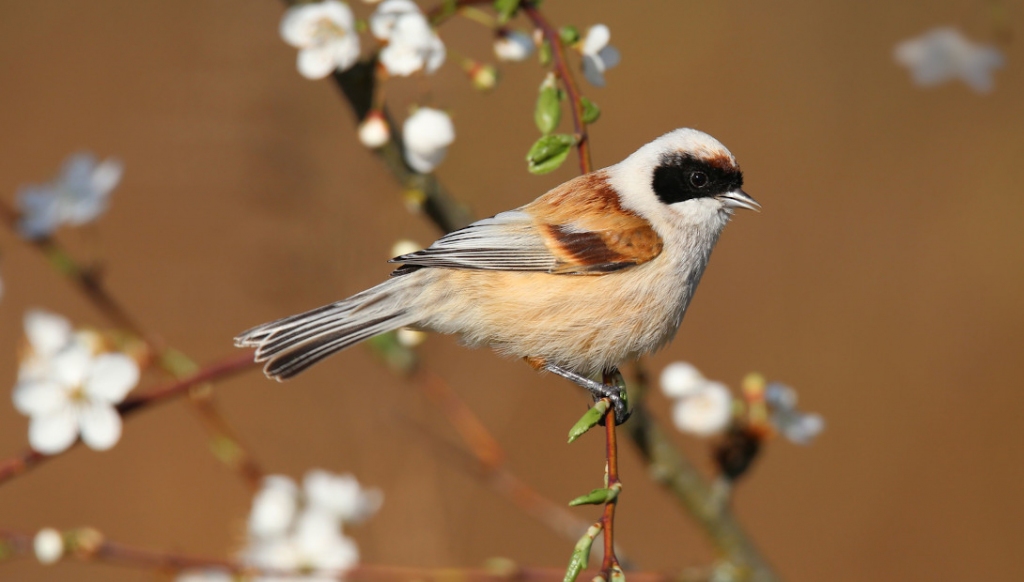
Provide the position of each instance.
(374, 131)
(799, 427)
(598, 55)
(48, 545)
(942, 54)
(79, 195)
(680, 379)
(324, 32)
(701, 407)
(303, 533)
(67, 389)
(274, 507)
(340, 496)
(427, 133)
(512, 45)
(704, 412)
(412, 43)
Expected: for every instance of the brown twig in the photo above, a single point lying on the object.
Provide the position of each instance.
(219, 370)
(610, 561)
(93, 548)
(565, 74)
(89, 282)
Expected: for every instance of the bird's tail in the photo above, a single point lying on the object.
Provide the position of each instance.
(290, 345)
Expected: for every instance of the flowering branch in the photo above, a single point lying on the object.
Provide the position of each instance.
(220, 370)
(88, 545)
(669, 467)
(562, 68)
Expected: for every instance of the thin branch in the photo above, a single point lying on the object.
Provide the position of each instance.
(100, 550)
(610, 561)
(565, 74)
(220, 370)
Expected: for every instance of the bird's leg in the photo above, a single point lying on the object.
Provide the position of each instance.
(596, 389)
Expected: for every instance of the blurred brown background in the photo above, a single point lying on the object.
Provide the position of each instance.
(883, 280)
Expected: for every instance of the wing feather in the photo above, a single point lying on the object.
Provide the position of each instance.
(578, 228)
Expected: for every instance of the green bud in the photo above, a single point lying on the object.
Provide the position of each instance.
(569, 34)
(617, 574)
(548, 112)
(581, 554)
(597, 496)
(591, 112)
(589, 420)
(506, 9)
(548, 153)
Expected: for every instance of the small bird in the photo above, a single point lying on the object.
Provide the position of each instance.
(595, 272)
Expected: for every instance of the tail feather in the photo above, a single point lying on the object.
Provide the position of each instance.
(292, 344)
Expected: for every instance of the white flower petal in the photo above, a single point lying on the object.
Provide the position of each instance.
(101, 425)
(680, 379)
(47, 332)
(274, 507)
(54, 432)
(39, 212)
(206, 576)
(39, 397)
(71, 364)
(383, 20)
(111, 377)
(401, 60)
(705, 413)
(374, 131)
(436, 54)
(48, 545)
(597, 38)
(425, 162)
(107, 175)
(428, 129)
(345, 51)
(337, 12)
(76, 173)
(944, 53)
(340, 496)
(513, 46)
(316, 62)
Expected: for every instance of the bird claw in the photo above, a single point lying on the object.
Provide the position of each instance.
(616, 395)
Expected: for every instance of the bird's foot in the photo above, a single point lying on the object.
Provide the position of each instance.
(615, 394)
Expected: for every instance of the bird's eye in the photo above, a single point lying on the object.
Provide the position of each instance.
(698, 179)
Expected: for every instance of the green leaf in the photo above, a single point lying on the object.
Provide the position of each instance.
(548, 112)
(548, 153)
(506, 9)
(581, 554)
(589, 420)
(569, 34)
(591, 112)
(596, 497)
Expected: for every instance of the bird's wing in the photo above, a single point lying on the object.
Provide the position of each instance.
(579, 228)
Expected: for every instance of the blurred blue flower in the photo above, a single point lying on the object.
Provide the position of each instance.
(798, 427)
(79, 195)
(943, 54)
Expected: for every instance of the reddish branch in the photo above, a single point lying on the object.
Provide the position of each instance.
(217, 371)
(563, 72)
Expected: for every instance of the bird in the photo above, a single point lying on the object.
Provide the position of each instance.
(596, 272)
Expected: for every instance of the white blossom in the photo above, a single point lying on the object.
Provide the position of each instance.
(68, 389)
(48, 545)
(412, 44)
(798, 427)
(374, 131)
(411, 338)
(79, 195)
(701, 406)
(427, 133)
(512, 45)
(302, 532)
(405, 247)
(598, 55)
(274, 507)
(680, 379)
(324, 32)
(209, 575)
(704, 412)
(943, 54)
(341, 496)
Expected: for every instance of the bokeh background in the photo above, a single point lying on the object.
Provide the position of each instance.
(884, 279)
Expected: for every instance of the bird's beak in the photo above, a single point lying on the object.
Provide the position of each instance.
(739, 199)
